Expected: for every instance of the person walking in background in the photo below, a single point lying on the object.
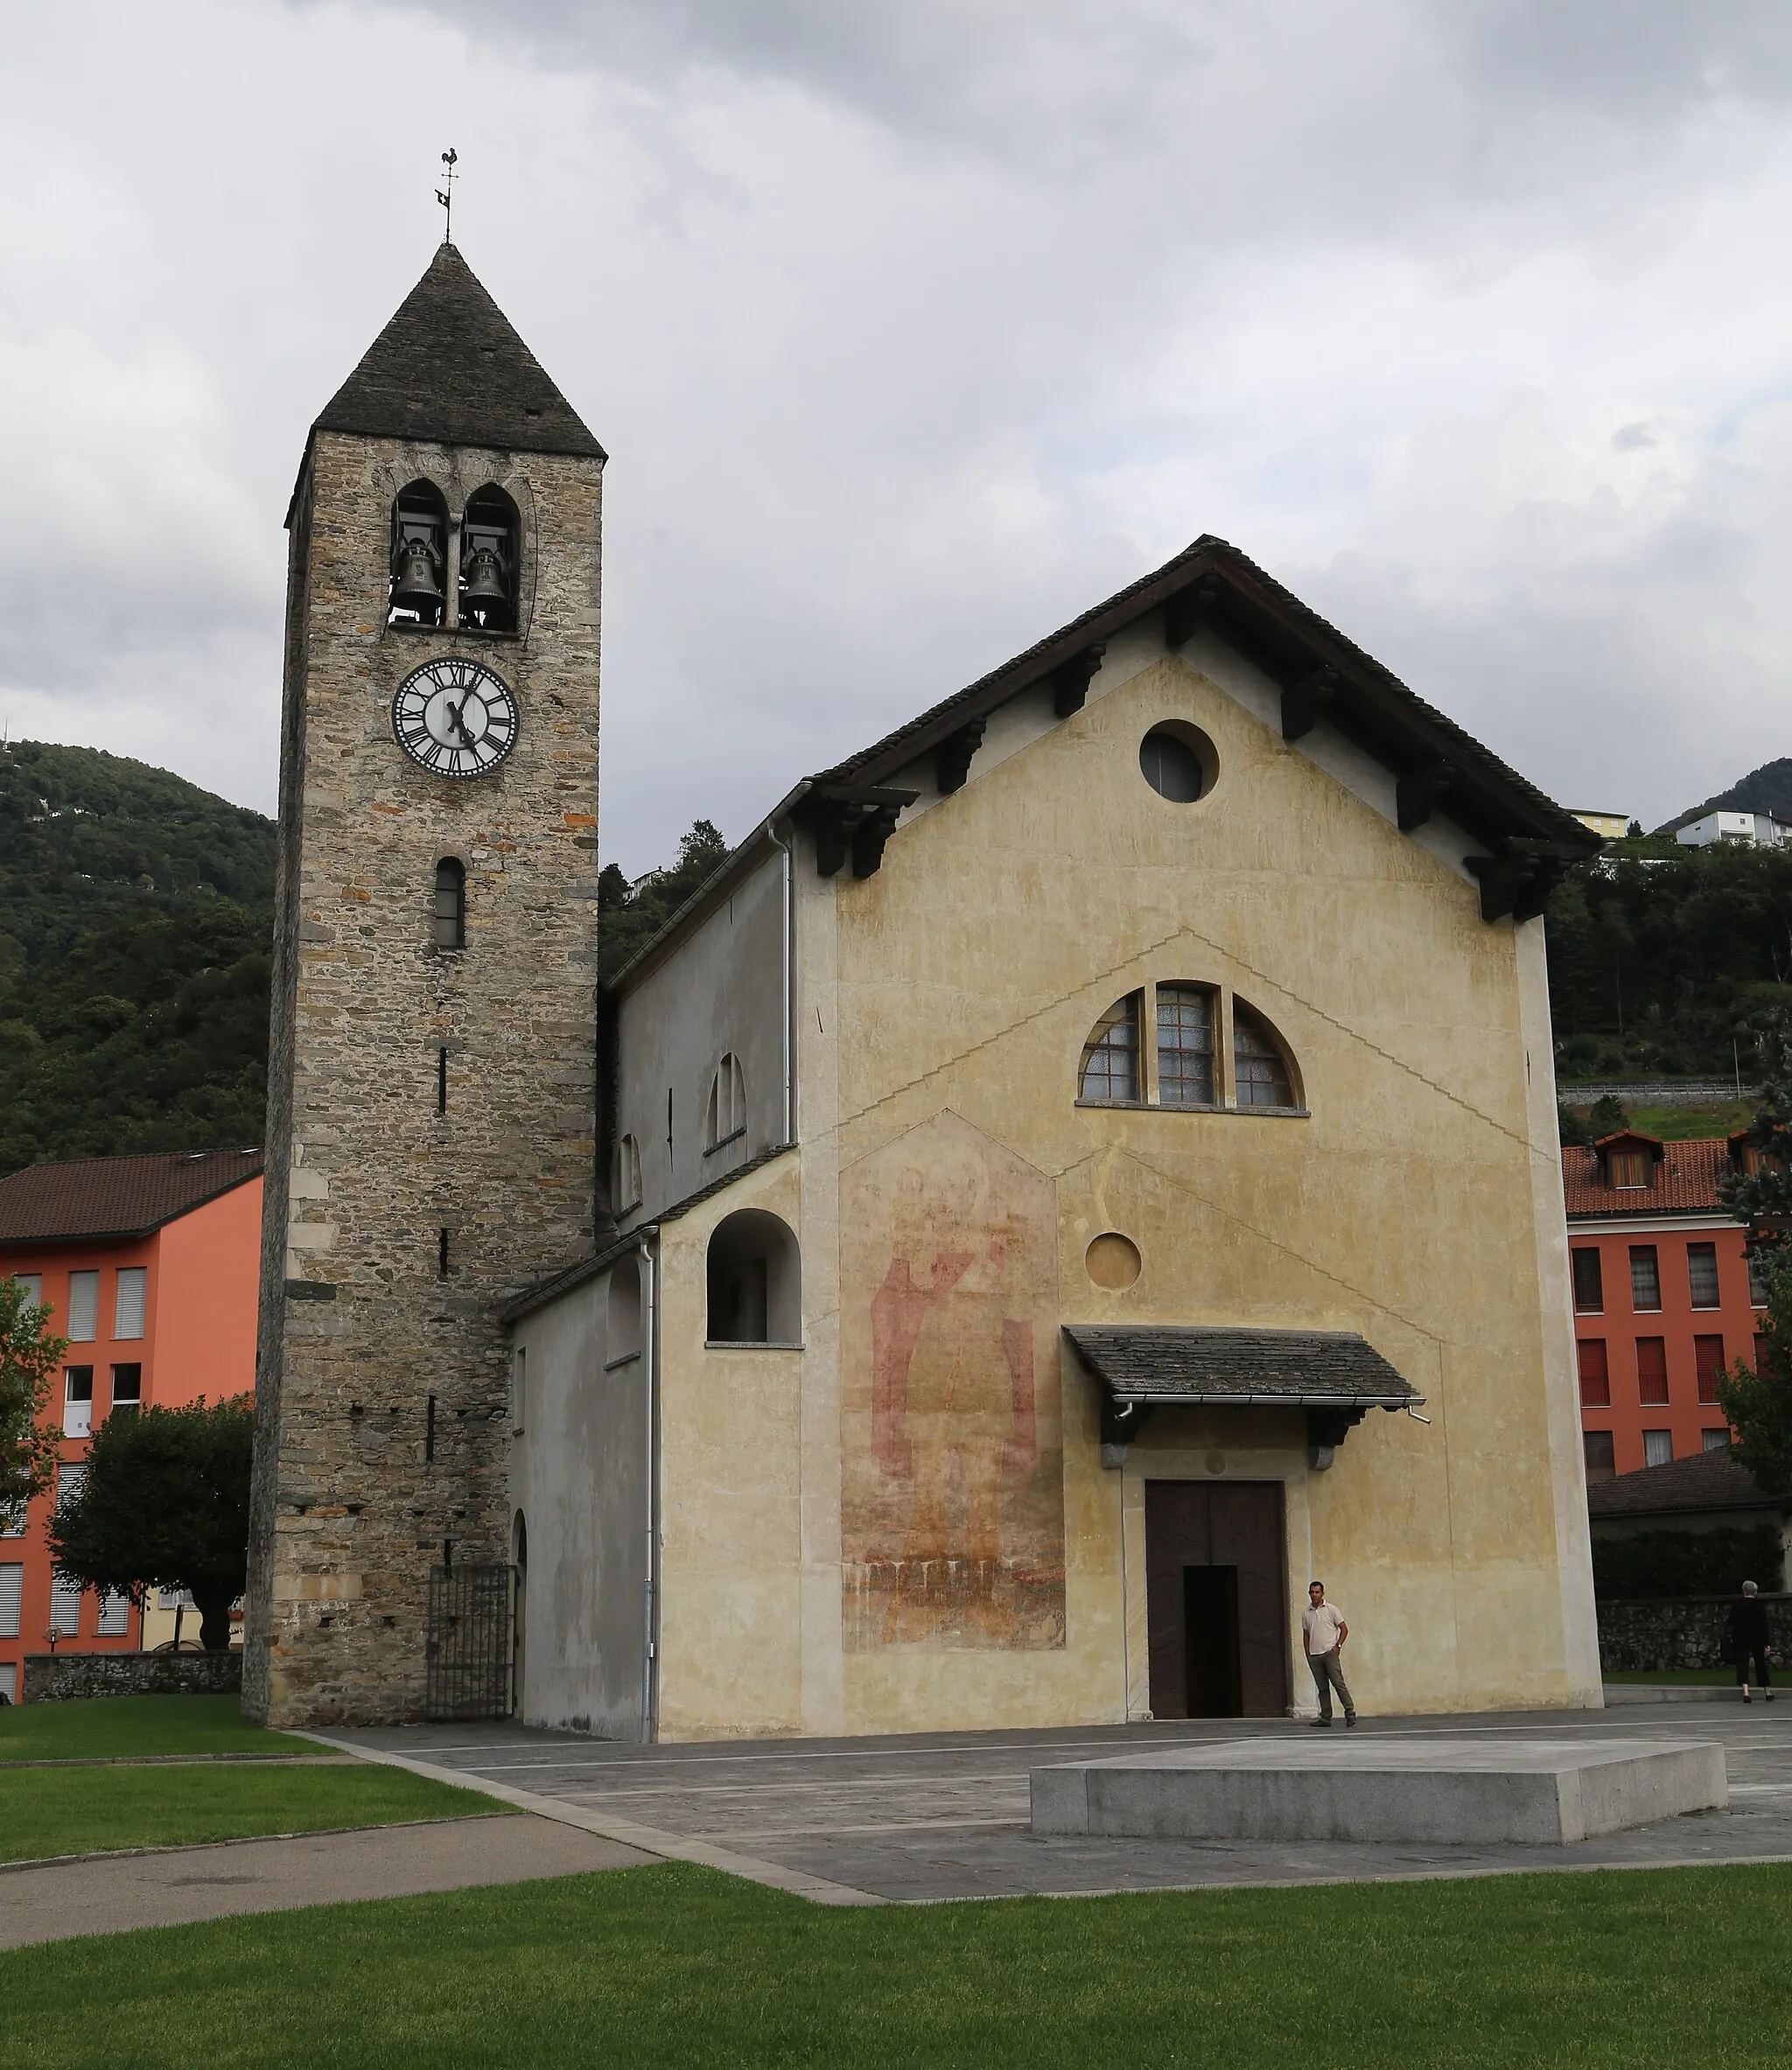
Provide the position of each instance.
(1748, 1640)
(1323, 1627)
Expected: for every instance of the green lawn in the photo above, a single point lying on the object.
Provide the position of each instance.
(118, 1727)
(1676, 1124)
(679, 1965)
(68, 1811)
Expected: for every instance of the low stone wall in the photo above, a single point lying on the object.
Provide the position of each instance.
(1683, 1632)
(1670, 1091)
(58, 1678)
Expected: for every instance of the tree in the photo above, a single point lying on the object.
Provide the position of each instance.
(165, 1504)
(1608, 1116)
(29, 1357)
(629, 915)
(1757, 1399)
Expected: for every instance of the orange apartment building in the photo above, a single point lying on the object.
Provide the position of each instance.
(150, 1265)
(1665, 1296)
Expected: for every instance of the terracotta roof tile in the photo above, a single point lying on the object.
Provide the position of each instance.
(116, 1196)
(1686, 1178)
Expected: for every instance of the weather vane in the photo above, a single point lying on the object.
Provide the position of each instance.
(445, 193)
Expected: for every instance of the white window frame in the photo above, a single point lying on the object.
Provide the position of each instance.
(77, 1415)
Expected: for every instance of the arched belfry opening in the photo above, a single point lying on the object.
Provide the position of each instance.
(490, 541)
(416, 594)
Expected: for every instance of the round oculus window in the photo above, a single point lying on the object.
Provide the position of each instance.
(1177, 762)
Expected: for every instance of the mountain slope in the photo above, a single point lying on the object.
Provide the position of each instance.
(1766, 789)
(135, 916)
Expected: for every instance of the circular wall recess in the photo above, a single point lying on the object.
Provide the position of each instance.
(1179, 762)
(1216, 1462)
(1113, 1262)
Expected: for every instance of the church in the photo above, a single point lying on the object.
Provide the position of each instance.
(1084, 1165)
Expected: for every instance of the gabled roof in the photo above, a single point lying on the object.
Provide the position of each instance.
(448, 369)
(1242, 1369)
(1682, 1179)
(1701, 1480)
(102, 1197)
(1212, 586)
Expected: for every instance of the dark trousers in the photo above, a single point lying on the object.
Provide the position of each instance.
(1760, 1678)
(1328, 1674)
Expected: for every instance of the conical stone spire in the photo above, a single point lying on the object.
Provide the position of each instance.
(450, 370)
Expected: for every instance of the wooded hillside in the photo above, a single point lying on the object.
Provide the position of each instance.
(134, 914)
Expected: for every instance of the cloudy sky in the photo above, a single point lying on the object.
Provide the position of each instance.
(912, 330)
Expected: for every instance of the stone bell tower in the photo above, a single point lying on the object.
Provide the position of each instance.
(431, 1114)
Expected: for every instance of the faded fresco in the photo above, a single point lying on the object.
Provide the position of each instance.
(952, 1510)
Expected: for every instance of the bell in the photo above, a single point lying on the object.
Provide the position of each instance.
(415, 586)
(485, 591)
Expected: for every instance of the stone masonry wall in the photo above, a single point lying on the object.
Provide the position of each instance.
(354, 1498)
(63, 1678)
(1686, 1632)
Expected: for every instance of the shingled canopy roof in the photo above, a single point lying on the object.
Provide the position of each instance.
(1242, 1369)
(102, 1197)
(448, 369)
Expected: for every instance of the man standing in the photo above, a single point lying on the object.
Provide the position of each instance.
(1748, 1640)
(1323, 1627)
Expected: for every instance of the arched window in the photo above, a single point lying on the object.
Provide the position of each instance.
(451, 904)
(415, 591)
(755, 1281)
(490, 536)
(1110, 1056)
(727, 1115)
(1185, 1045)
(628, 1186)
(1259, 1067)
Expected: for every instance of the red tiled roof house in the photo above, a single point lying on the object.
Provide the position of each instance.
(1665, 1296)
(149, 1265)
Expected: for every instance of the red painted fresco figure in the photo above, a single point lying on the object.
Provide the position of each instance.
(952, 1378)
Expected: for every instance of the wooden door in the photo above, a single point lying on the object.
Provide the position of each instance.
(1234, 1526)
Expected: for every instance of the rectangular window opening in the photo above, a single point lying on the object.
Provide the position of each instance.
(1185, 1045)
(83, 1307)
(128, 1304)
(1702, 1275)
(127, 1389)
(1595, 1373)
(1708, 1357)
(1645, 1278)
(78, 1402)
(1589, 1285)
(1657, 1447)
(1717, 1440)
(1757, 1264)
(441, 1081)
(442, 1255)
(1596, 1446)
(1652, 1371)
(429, 1427)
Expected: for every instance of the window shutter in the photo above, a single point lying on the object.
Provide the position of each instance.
(83, 1307)
(11, 1597)
(65, 1607)
(115, 1616)
(128, 1310)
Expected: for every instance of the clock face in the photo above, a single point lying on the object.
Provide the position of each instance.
(454, 717)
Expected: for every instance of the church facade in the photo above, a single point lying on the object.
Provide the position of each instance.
(1081, 1167)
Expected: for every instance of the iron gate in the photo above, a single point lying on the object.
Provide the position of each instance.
(467, 1652)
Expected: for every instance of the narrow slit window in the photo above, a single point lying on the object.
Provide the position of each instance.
(1110, 1056)
(429, 1426)
(1260, 1071)
(628, 1174)
(451, 904)
(441, 1081)
(442, 1255)
(1185, 1045)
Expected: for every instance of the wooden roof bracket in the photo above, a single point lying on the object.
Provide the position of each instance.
(1520, 881)
(952, 758)
(1070, 680)
(1302, 702)
(1418, 790)
(1189, 610)
(853, 824)
(1326, 1429)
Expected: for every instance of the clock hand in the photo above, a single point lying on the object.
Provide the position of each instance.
(454, 712)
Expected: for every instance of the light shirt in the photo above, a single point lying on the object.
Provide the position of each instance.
(1321, 1626)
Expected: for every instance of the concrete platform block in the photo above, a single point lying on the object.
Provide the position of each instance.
(1443, 1790)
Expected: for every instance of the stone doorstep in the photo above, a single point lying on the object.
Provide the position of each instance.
(1422, 1791)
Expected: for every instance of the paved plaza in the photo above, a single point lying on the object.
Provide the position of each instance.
(941, 1816)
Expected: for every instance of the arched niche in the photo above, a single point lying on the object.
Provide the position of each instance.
(755, 1281)
(417, 592)
(491, 558)
(622, 1333)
